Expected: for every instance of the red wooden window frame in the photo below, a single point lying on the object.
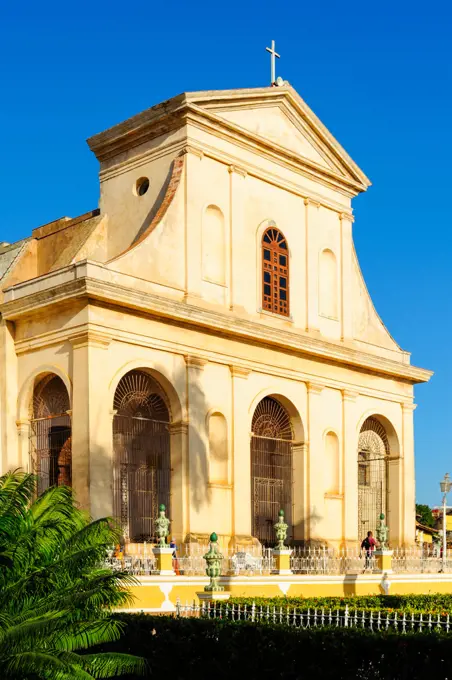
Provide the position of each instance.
(275, 272)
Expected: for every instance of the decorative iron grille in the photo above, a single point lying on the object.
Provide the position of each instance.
(373, 450)
(271, 469)
(50, 434)
(141, 444)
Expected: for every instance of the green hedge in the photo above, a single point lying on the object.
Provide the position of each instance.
(182, 649)
(429, 604)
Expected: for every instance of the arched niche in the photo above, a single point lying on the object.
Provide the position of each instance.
(328, 284)
(218, 448)
(213, 245)
(332, 463)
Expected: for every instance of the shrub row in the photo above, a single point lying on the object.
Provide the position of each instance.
(428, 604)
(182, 649)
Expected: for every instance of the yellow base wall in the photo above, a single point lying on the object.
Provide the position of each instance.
(162, 593)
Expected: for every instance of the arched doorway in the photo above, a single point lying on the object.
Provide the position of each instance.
(50, 433)
(373, 455)
(271, 469)
(141, 454)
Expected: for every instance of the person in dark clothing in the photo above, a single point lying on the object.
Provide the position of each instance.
(368, 545)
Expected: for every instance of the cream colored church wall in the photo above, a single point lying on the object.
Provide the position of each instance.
(209, 392)
(207, 185)
(227, 350)
(128, 213)
(160, 257)
(96, 371)
(275, 170)
(263, 206)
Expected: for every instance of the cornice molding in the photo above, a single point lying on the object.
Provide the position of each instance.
(239, 372)
(211, 120)
(225, 323)
(239, 171)
(204, 106)
(314, 388)
(194, 150)
(271, 151)
(275, 180)
(90, 339)
(350, 395)
(346, 216)
(195, 362)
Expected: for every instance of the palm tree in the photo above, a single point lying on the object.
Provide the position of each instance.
(56, 595)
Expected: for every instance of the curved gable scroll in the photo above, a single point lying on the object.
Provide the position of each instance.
(173, 184)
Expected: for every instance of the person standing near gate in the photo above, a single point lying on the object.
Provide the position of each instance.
(368, 545)
(175, 560)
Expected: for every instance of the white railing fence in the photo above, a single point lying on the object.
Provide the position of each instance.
(418, 560)
(380, 620)
(323, 560)
(189, 561)
(251, 560)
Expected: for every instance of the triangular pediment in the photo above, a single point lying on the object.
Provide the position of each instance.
(272, 123)
(279, 117)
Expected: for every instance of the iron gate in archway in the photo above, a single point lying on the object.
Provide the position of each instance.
(271, 469)
(373, 451)
(141, 444)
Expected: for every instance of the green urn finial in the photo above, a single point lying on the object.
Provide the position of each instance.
(281, 531)
(213, 560)
(162, 527)
(382, 533)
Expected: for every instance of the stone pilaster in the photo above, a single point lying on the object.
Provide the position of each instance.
(241, 468)
(237, 178)
(349, 457)
(9, 459)
(312, 266)
(346, 278)
(92, 463)
(408, 500)
(179, 480)
(193, 260)
(23, 445)
(300, 490)
(198, 463)
(316, 491)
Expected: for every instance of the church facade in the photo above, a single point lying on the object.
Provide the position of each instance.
(205, 338)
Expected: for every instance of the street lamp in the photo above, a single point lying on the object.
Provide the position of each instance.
(445, 486)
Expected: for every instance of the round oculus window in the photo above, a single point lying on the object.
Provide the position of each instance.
(141, 186)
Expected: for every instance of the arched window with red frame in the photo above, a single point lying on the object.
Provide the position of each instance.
(275, 272)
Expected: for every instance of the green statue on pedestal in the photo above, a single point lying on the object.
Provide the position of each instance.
(161, 527)
(213, 570)
(281, 531)
(382, 533)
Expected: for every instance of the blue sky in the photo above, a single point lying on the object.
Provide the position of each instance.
(379, 75)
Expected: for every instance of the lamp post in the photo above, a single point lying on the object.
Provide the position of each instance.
(445, 486)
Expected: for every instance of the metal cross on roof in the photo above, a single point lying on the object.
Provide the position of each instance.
(273, 54)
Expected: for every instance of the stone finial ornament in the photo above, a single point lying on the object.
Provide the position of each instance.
(382, 533)
(281, 531)
(162, 527)
(213, 570)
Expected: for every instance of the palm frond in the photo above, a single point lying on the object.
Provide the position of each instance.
(56, 595)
